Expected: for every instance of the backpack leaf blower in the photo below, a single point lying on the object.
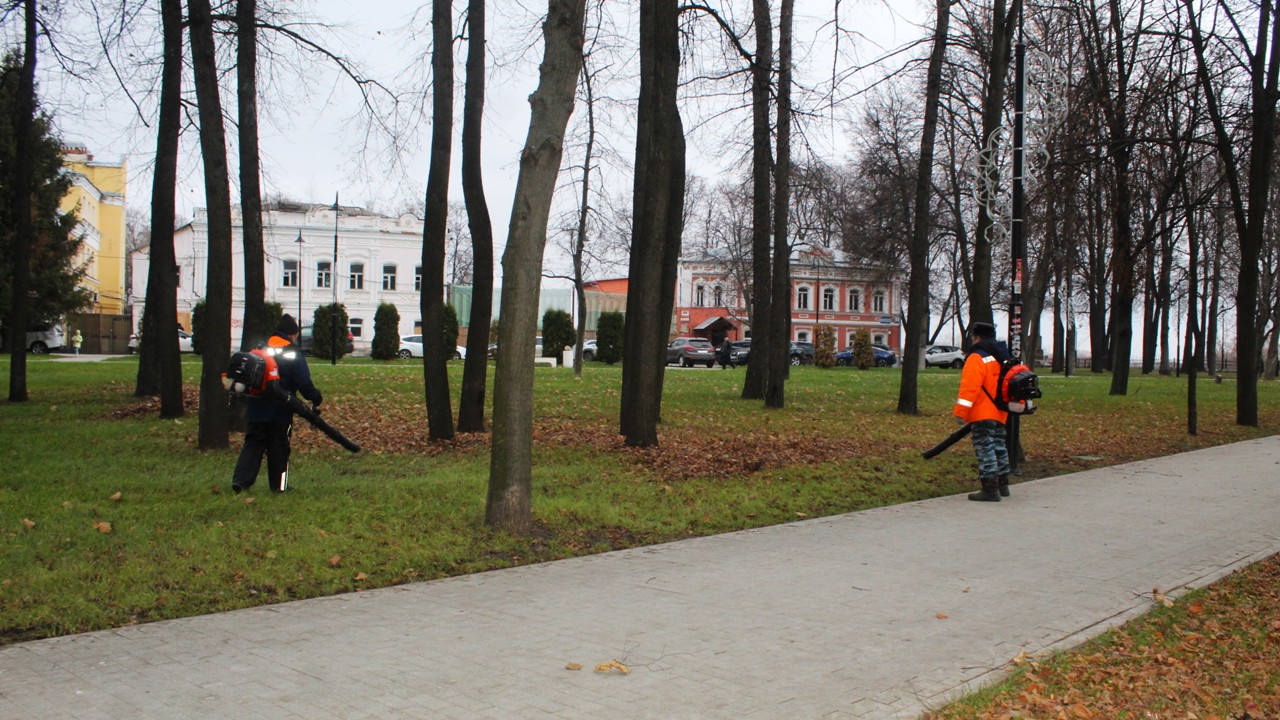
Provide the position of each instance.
(256, 375)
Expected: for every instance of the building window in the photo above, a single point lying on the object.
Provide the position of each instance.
(388, 277)
(877, 340)
(357, 327)
(357, 276)
(290, 278)
(850, 338)
(802, 298)
(324, 274)
(877, 301)
(699, 296)
(855, 301)
(828, 299)
(417, 278)
(718, 294)
(802, 336)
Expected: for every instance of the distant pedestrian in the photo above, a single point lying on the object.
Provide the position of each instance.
(271, 422)
(976, 406)
(725, 354)
(76, 341)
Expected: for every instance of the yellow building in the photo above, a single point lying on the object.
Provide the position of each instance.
(98, 190)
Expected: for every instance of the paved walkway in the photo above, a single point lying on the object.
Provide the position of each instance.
(877, 614)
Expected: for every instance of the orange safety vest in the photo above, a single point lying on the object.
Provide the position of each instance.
(981, 372)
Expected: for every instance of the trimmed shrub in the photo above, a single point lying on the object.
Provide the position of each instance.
(557, 332)
(609, 334)
(824, 346)
(327, 320)
(386, 332)
(862, 355)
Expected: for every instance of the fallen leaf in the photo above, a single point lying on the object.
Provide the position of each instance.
(333, 561)
(573, 666)
(116, 497)
(28, 524)
(271, 554)
(1196, 608)
(248, 501)
(361, 577)
(611, 666)
(941, 616)
(102, 526)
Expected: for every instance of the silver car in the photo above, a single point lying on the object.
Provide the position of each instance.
(943, 356)
(689, 351)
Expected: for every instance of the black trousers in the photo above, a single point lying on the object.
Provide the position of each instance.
(271, 439)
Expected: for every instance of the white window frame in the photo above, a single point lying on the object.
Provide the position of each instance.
(291, 277)
(803, 293)
(389, 278)
(324, 274)
(356, 281)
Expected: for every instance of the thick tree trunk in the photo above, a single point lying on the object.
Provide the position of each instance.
(509, 504)
(658, 218)
(780, 319)
(256, 328)
(435, 355)
(160, 363)
(475, 370)
(214, 407)
(762, 336)
(24, 236)
(918, 250)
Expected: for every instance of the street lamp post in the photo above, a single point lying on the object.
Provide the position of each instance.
(298, 278)
(333, 337)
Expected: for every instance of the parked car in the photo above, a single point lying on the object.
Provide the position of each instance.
(411, 347)
(802, 353)
(588, 350)
(43, 338)
(537, 348)
(306, 341)
(883, 355)
(184, 342)
(739, 352)
(689, 351)
(943, 356)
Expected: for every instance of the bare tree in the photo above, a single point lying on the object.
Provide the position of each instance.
(24, 237)
(918, 252)
(256, 324)
(214, 407)
(475, 370)
(658, 221)
(509, 504)
(160, 364)
(1248, 204)
(435, 229)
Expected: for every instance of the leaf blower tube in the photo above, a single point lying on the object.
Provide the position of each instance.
(256, 374)
(952, 439)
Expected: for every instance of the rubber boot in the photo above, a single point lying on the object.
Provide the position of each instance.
(990, 491)
(1004, 484)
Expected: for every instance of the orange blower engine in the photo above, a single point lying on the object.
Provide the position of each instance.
(256, 375)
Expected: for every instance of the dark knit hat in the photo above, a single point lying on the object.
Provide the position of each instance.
(986, 331)
(287, 325)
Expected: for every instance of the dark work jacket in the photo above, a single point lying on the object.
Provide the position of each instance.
(295, 379)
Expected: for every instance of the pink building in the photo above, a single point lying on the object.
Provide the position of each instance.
(827, 288)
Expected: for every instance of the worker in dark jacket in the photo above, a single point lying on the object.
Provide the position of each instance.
(271, 422)
(975, 405)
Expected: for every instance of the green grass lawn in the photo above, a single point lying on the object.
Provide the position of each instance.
(110, 516)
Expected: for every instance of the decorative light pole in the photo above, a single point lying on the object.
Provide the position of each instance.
(1017, 238)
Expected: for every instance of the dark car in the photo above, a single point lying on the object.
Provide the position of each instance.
(882, 357)
(739, 352)
(802, 353)
(689, 351)
(306, 341)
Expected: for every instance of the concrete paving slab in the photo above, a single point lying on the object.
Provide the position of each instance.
(878, 614)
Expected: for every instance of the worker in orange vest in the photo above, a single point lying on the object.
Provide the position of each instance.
(975, 406)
